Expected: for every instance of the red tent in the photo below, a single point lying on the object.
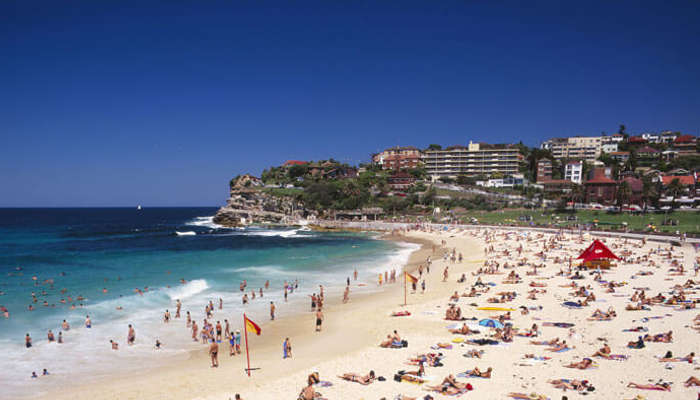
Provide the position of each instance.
(596, 251)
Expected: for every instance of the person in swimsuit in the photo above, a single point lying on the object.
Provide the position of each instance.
(319, 320)
(28, 341)
(131, 336)
(362, 380)
(88, 323)
(214, 353)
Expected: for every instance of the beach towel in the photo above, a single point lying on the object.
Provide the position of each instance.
(495, 309)
(324, 384)
(436, 347)
(571, 304)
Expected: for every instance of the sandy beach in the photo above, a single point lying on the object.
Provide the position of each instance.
(351, 332)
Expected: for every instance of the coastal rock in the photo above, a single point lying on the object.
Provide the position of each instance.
(250, 203)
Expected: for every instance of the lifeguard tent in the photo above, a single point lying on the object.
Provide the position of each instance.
(597, 255)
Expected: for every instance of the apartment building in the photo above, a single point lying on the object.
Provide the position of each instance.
(586, 148)
(475, 159)
(398, 157)
(574, 172)
(544, 170)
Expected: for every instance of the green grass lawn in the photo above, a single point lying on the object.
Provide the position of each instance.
(689, 221)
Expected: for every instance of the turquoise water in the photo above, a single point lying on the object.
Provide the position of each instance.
(60, 254)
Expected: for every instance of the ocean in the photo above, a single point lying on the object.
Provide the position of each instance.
(105, 254)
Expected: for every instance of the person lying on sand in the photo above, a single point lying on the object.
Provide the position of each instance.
(432, 359)
(362, 380)
(571, 384)
(669, 358)
(636, 344)
(552, 342)
(663, 386)
(474, 353)
(464, 330)
(531, 396)
(455, 296)
(583, 364)
(419, 372)
(560, 347)
(661, 337)
(692, 381)
(448, 386)
(480, 374)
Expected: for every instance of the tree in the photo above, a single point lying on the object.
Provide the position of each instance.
(624, 193)
(650, 193)
(622, 130)
(434, 147)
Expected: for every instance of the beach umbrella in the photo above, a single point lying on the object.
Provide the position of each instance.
(490, 323)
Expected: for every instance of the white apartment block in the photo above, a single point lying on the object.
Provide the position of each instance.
(574, 172)
(475, 159)
(577, 147)
(609, 147)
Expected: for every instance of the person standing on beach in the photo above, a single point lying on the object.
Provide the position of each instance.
(178, 305)
(227, 328)
(346, 294)
(237, 339)
(286, 349)
(272, 311)
(319, 320)
(285, 295)
(28, 341)
(88, 323)
(354, 274)
(194, 330)
(60, 337)
(65, 325)
(131, 336)
(214, 353)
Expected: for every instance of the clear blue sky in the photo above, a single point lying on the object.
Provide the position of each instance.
(106, 103)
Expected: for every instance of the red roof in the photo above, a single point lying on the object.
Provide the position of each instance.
(685, 139)
(647, 149)
(597, 250)
(636, 139)
(685, 180)
(600, 179)
(295, 162)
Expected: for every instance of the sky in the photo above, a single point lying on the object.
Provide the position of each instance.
(161, 103)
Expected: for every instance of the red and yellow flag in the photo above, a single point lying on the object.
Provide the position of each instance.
(252, 327)
(411, 278)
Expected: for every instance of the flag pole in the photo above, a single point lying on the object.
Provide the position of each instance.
(404, 287)
(245, 330)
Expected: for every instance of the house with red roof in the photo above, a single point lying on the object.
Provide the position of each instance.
(685, 180)
(636, 140)
(600, 188)
(685, 145)
(648, 152)
(289, 163)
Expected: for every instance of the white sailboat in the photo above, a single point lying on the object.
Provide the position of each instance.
(138, 207)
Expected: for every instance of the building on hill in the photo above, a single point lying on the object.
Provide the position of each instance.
(600, 188)
(609, 147)
(620, 156)
(400, 180)
(574, 172)
(586, 148)
(558, 186)
(544, 170)
(398, 158)
(685, 145)
(636, 186)
(636, 140)
(290, 163)
(648, 152)
(475, 159)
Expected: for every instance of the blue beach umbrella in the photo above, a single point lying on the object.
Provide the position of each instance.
(490, 323)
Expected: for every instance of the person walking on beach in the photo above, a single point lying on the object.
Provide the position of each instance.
(319, 320)
(286, 349)
(131, 336)
(272, 311)
(214, 353)
(237, 339)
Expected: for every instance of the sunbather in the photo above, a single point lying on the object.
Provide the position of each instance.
(692, 381)
(481, 374)
(663, 386)
(583, 364)
(362, 380)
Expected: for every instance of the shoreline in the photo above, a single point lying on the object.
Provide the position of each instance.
(265, 350)
(349, 342)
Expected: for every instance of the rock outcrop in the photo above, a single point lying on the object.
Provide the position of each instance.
(249, 203)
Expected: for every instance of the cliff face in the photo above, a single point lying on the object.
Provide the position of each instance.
(248, 203)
